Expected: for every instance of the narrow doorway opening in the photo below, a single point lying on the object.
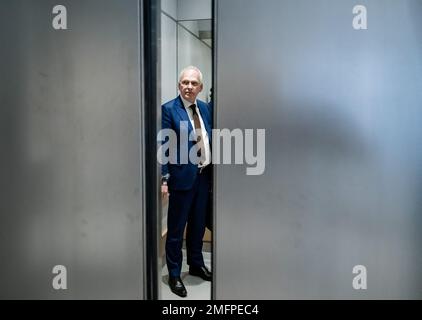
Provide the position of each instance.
(186, 40)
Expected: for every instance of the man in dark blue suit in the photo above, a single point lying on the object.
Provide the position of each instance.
(186, 179)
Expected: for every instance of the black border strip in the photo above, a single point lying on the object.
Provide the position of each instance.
(151, 28)
(214, 10)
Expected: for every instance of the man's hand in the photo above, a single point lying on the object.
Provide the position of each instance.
(164, 190)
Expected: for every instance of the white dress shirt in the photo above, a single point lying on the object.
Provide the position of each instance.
(187, 104)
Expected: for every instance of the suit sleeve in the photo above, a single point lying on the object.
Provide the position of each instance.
(165, 124)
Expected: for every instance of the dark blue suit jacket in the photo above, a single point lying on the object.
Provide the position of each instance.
(182, 176)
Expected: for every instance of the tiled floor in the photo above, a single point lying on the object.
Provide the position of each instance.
(197, 288)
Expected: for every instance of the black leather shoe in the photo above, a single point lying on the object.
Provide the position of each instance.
(201, 272)
(177, 286)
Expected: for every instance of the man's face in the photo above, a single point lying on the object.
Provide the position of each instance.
(189, 85)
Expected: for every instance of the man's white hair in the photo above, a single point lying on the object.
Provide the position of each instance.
(191, 68)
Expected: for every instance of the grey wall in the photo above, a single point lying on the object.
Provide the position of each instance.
(169, 76)
(70, 150)
(170, 7)
(194, 9)
(343, 179)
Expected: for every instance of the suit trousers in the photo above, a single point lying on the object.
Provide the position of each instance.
(189, 207)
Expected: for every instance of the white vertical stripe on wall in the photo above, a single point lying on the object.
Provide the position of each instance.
(168, 58)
